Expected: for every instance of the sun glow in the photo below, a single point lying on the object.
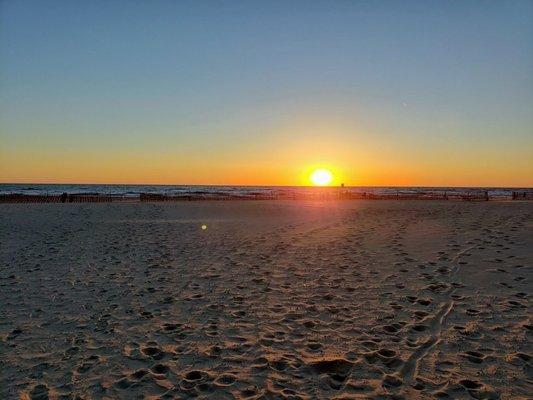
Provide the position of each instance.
(321, 177)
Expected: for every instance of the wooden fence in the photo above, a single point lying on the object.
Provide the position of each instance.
(69, 198)
(288, 195)
(522, 196)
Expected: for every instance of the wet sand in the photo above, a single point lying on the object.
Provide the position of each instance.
(273, 300)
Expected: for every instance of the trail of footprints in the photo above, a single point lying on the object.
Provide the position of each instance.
(339, 307)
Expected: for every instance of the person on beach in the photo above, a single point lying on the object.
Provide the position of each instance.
(63, 198)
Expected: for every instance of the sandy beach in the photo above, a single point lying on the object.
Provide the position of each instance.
(272, 300)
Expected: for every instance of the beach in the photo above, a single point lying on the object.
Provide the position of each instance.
(280, 299)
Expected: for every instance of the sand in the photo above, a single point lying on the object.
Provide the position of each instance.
(273, 300)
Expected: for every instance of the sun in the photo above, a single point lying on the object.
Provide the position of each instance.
(321, 177)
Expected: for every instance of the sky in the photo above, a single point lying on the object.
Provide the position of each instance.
(418, 93)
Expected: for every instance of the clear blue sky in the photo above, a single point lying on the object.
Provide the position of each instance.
(255, 91)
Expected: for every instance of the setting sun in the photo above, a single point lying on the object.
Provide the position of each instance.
(321, 177)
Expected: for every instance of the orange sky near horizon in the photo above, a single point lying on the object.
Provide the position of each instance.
(284, 154)
(351, 167)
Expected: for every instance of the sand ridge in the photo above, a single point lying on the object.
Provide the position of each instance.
(289, 300)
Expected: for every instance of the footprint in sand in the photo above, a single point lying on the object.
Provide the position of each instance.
(225, 380)
(152, 351)
(39, 392)
(160, 369)
(474, 356)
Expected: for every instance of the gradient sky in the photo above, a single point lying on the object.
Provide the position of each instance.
(260, 92)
